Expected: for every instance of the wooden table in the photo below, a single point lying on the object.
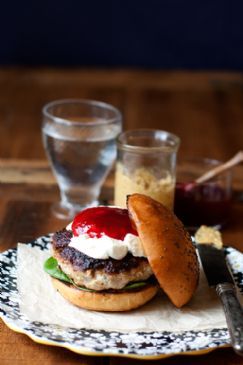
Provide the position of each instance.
(204, 109)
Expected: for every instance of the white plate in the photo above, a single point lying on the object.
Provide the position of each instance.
(93, 342)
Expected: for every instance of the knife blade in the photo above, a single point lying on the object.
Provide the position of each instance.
(214, 265)
(218, 276)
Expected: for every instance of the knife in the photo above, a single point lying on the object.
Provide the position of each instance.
(218, 276)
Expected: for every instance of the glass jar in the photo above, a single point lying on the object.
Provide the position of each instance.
(208, 203)
(146, 164)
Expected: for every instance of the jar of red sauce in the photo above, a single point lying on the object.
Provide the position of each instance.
(208, 203)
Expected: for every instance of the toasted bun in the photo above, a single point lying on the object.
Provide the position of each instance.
(105, 301)
(168, 247)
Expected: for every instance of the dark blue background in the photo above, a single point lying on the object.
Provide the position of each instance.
(151, 34)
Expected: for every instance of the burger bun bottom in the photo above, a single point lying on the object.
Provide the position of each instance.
(106, 301)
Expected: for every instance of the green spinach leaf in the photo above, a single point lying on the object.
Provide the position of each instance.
(135, 285)
(52, 268)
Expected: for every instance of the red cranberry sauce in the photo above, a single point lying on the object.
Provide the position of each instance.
(99, 221)
(206, 203)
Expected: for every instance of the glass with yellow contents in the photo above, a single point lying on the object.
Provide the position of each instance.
(146, 164)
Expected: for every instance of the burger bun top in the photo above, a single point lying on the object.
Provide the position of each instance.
(168, 247)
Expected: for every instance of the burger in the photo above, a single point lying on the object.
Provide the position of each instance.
(113, 259)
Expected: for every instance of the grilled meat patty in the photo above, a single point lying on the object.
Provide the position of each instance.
(95, 273)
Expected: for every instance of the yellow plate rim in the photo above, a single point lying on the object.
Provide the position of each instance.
(86, 352)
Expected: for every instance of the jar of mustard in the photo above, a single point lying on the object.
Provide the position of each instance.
(146, 164)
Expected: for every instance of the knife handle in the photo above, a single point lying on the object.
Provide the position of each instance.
(233, 313)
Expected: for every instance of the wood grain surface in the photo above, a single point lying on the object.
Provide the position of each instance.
(204, 109)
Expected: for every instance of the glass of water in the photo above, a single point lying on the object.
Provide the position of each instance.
(79, 137)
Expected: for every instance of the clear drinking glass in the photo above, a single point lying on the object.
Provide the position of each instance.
(146, 164)
(79, 137)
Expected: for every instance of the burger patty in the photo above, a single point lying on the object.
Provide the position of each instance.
(95, 273)
(82, 262)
